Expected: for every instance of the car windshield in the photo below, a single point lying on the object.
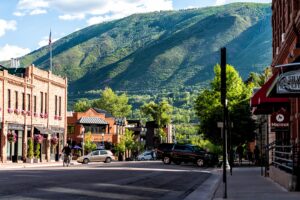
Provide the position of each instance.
(196, 148)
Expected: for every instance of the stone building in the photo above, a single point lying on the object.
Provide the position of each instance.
(279, 99)
(32, 101)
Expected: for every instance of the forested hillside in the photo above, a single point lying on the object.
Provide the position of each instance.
(160, 50)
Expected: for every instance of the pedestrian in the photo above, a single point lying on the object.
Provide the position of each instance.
(256, 155)
(240, 151)
(249, 155)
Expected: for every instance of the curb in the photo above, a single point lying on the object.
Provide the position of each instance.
(20, 166)
(207, 189)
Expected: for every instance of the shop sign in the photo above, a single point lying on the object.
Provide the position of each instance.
(280, 120)
(289, 83)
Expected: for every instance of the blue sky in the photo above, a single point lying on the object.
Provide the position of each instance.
(25, 24)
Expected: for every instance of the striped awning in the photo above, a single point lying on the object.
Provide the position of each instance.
(92, 120)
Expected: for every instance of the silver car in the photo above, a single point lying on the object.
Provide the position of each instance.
(97, 156)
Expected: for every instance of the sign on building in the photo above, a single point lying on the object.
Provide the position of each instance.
(289, 83)
(280, 120)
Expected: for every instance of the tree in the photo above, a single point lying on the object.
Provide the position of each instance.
(126, 143)
(209, 109)
(82, 105)
(161, 113)
(88, 144)
(115, 104)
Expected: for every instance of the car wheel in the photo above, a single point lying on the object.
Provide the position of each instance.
(142, 158)
(200, 162)
(107, 160)
(167, 160)
(85, 161)
(177, 162)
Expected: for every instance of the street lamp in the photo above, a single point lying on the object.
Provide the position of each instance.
(82, 132)
(102, 140)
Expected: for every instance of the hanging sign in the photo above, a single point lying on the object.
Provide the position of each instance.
(289, 83)
(280, 120)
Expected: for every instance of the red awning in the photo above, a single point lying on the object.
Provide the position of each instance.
(260, 103)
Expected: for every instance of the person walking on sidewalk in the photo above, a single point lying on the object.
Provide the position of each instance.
(240, 151)
(256, 155)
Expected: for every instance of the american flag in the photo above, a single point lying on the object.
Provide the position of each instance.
(50, 38)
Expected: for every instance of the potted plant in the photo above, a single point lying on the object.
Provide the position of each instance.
(37, 153)
(11, 136)
(54, 141)
(30, 153)
(38, 138)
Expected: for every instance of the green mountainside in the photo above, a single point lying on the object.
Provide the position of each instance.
(161, 50)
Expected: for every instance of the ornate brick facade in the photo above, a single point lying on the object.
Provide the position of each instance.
(32, 101)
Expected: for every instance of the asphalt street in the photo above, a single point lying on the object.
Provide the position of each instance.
(117, 180)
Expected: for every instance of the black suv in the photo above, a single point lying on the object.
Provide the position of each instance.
(187, 153)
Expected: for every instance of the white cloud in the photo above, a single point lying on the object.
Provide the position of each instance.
(45, 41)
(10, 51)
(31, 7)
(93, 9)
(7, 25)
(118, 9)
(18, 14)
(220, 2)
(38, 12)
(71, 17)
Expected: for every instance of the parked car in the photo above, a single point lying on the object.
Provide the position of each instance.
(147, 155)
(97, 156)
(188, 153)
(163, 148)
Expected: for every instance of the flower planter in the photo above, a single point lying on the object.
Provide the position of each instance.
(36, 160)
(24, 112)
(36, 115)
(30, 160)
(10, 110)
(17, 111)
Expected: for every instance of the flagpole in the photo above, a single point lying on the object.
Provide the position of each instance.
(50, 46)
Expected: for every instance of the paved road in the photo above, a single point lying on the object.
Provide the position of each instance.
(130, 180)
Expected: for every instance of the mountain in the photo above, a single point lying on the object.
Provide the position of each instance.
(159, 50)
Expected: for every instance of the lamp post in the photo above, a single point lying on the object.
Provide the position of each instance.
(102, 140)
(82, 132)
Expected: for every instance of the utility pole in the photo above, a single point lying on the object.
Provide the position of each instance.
(223, 101)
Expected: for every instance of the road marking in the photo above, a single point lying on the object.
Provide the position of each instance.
(131, 187)
(100, 195)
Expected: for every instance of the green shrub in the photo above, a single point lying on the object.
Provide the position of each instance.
(30, 152)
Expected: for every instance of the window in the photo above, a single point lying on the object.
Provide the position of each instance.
(23, 101)
(9, 98)
(46, 102)
(59, 106)
(42, 102)
(28, 100)
(34, 104)
(103, 152)
(95, 153)
(17, 102)
(55, 104)
(71, 129)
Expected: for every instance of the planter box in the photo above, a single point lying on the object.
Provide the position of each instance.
(29, 160)
(36, 160)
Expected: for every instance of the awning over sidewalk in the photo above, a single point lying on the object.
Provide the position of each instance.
(43, 130)
(261, 104)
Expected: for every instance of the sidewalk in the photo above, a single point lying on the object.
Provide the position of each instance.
(5, 166)
(247, 183)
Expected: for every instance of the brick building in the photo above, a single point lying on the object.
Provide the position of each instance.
(278, 98)
(32, 101)
(105, 128)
